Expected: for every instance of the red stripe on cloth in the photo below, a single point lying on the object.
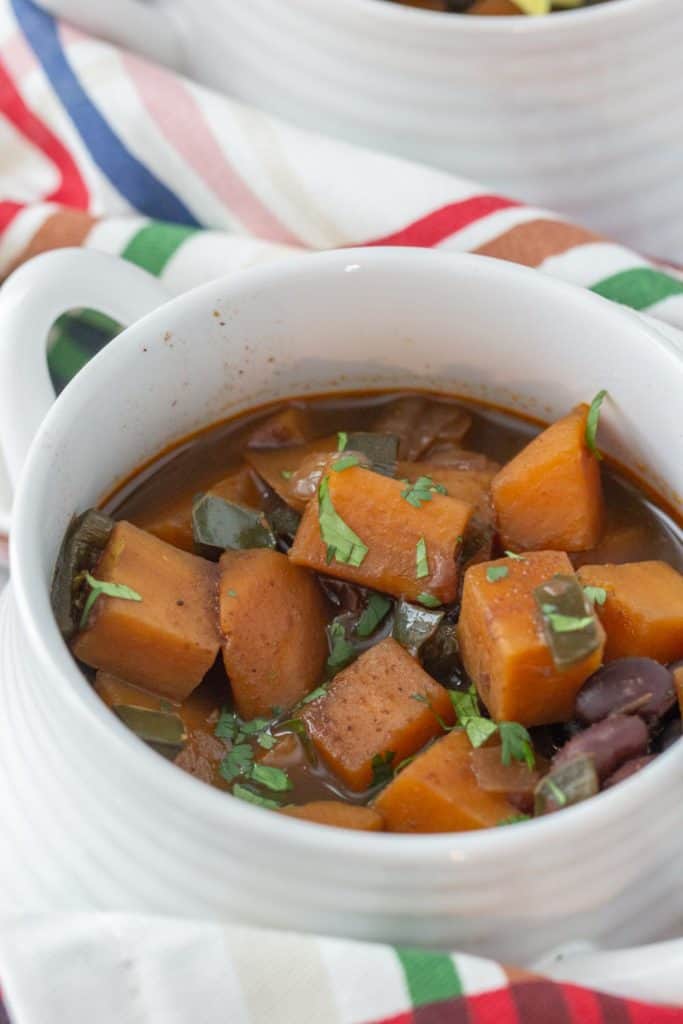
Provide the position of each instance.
(71, 189)
(541, 1001)
(8, 211)
(582, 1005)
(441, 223)
(497, 1007)
(645, 1013)
(447, 1011)
(614, 1010)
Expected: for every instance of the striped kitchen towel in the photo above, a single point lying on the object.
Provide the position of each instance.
(102, 149)
(131, 969)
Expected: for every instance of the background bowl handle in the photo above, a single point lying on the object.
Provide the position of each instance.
(144, 26)
(30, 302)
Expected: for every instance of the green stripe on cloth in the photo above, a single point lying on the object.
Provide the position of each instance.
(74, 339)
(638, 288)
(430, 977)
(152, 247)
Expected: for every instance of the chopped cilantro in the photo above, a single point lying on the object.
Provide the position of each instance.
(592, 423)
(598, 595)
(238, 761)
(566, 623)
(245, 793)
(342, 440)
(421, 563)
(516, 744)
(342, 543)
(514, 819)
(559, 796)
(421, 491)
(232, 593)
(342, 650)
(346, 462)
(287, 474)
(373, 613)
(428, 600)
(319, 691)
(272, 778)
(100, 587)
(382, 767)
(514, 556)
(496, 572)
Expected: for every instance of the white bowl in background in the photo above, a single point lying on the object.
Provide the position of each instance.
(93, 819)
(580, 111)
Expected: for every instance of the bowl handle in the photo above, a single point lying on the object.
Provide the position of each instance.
(144, 27)
(30, 301)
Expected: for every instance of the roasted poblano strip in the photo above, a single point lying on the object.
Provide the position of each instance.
(570, 784)
(380, 449)
(281, 517)
(161, 730)
(569, 622)
(81, 548)
(414, 625)
(219, 525)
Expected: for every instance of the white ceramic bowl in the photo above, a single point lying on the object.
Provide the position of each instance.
(91, 817)
(580, 111)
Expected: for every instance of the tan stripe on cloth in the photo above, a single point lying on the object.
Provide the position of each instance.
(63, 228)
(535, 241)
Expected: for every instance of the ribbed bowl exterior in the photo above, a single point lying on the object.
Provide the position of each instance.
(580, 112)
(92, 819)
(81, 830)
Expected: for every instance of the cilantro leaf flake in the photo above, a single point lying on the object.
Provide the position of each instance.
(592, 421)
(421, 561)
(342, 543)
(100, 587)
(496, 572)
(421, 491)
(598, 595)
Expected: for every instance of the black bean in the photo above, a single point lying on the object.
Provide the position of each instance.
(612, 742)
(637, 686)
(628, 769)
(670, 734)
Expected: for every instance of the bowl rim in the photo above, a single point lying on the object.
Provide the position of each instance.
(223, 810)
(387, 11)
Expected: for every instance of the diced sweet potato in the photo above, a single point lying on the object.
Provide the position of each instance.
(503, 647)
(473, 486)
(285, 428)
(172, 521)
(494, 7)
(438, 792)
(168, 641)
(550, 495)
(390, 527)
(272, 616)
(278, 467)
(643, 612)
(338, 814)
(370, 710)
(113, 691)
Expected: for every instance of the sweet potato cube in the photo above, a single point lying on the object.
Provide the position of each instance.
(390, 527)
(550, 495)
(167, 642)
(503, 646)
(172, 520)
(289, 426)
(473, 486)
(643, 612)
(438, 792)
(281, 468)
(337, 813)
(272, 616)
(370, 710)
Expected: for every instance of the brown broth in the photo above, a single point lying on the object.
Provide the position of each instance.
(635, 530)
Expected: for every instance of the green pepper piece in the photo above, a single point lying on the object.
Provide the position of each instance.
(219, 525)
(413, 625)
(161, 730)
(380, 449)
(84, 542)
(569, 621)
(570, 784)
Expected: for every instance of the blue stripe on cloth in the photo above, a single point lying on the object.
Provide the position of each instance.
(126, 173)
